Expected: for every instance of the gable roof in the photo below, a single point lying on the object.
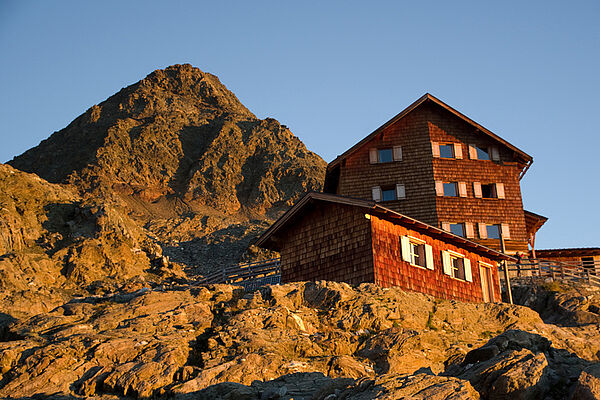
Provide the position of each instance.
(374, 209)
(526, 158)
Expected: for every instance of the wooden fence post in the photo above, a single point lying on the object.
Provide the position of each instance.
(506, 277)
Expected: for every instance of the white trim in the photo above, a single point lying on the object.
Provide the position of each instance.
(446, 263)
(397, 153)
(473, 152)
(435, 149)
(405, 246)
(485, 265)
(428, 256)
(455, 254)
(376, 193)
(400, 191)
(468, 271)
(458, 151)
(373, 156)
(417, 240)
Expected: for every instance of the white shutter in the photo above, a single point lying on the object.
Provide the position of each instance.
(373, 156)
(462, 189)
(458, 151)
(405, 244)
(468, 273)
(439, 188)
(500, 190)
(428, 256)
(397, 153)
(477, 189)
(505, 231)
(400, 191)
(435, 148)
(472, 152)
(469, 231)
(446, 226)
(446, 263)
(482, 230)
(376, 191)
(495, 153)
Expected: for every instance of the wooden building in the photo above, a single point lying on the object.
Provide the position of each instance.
(434, 164)
(587, 257)
(331, 237)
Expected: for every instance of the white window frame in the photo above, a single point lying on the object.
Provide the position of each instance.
(374, 154)
(408, 243)
(448, 265)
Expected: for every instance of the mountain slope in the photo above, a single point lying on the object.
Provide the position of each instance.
(180, 139)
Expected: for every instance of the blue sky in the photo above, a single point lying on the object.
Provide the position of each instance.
(333, 72)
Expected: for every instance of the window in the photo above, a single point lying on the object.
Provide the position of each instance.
(458, 229)
(450, 189)
(456, 265)
(385, 155)
(493, 231)
(389, 193)
(482, 153)
(488, 191)
(416, 252)
(446, 151)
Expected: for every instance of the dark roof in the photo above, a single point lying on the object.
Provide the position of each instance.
(533, 221)
(572, 252)
(526, 158)
(375, 209)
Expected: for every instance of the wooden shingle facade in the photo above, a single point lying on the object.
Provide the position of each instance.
(434, 164)
(331, 237)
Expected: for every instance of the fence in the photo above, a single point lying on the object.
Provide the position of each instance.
(588, 272)
(249, 275)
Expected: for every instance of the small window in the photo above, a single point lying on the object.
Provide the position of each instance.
(493, 231)
(388, 194)
(488, 191)
(482, 153)
(446, 151)
(417, 254)
(458, 267)
(385, 155)
(458, 229)
(450, 189)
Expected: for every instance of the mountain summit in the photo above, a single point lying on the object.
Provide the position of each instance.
(181, 139)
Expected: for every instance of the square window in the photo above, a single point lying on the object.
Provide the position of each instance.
(417, 254)
(388, 194)
(450, 189)
(385, 155)
(482, 153)
(458, 229)
(446, 151)
(493, 231)
(458, 267)
(488, 191)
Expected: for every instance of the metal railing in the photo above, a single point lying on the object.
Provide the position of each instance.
(249, 275)
(588, 272)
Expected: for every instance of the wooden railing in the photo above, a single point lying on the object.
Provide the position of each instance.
(249, 275)
(556, 270)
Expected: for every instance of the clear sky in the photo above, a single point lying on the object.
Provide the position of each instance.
(333, 71)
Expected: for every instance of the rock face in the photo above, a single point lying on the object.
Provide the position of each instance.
(181, 141)
(320, 340)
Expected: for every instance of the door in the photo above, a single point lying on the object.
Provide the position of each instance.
(486, 284)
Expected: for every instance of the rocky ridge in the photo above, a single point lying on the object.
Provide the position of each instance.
(321, 340)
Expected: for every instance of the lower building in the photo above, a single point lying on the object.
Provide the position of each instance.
(587, 258)
(331, 237)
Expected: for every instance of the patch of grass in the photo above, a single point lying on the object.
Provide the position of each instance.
(429, 324)
(486, 334)
(553, 286)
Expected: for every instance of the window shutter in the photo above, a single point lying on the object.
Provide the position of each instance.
(376, 190)
(405, 244)
(477, 189)
(435, 148)
(428, 256)
(468, 273)
(397, 153)
(495, 153)
(472, 152)
(446, 226)
(482, 230)
(469, 231)
(500, 190)
(458, 151)
(446, 263)
(439, 188)
(400, 191)
(462, 189)
(505, 231)
(373, 156)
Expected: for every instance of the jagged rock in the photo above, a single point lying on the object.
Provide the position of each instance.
(588, 384)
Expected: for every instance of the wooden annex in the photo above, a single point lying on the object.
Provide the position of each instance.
(586, 257)
(331, 237)
(434, 164)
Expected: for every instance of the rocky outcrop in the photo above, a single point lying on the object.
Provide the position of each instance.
(320, 340)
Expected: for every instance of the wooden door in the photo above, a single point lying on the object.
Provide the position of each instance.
(486, 284)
